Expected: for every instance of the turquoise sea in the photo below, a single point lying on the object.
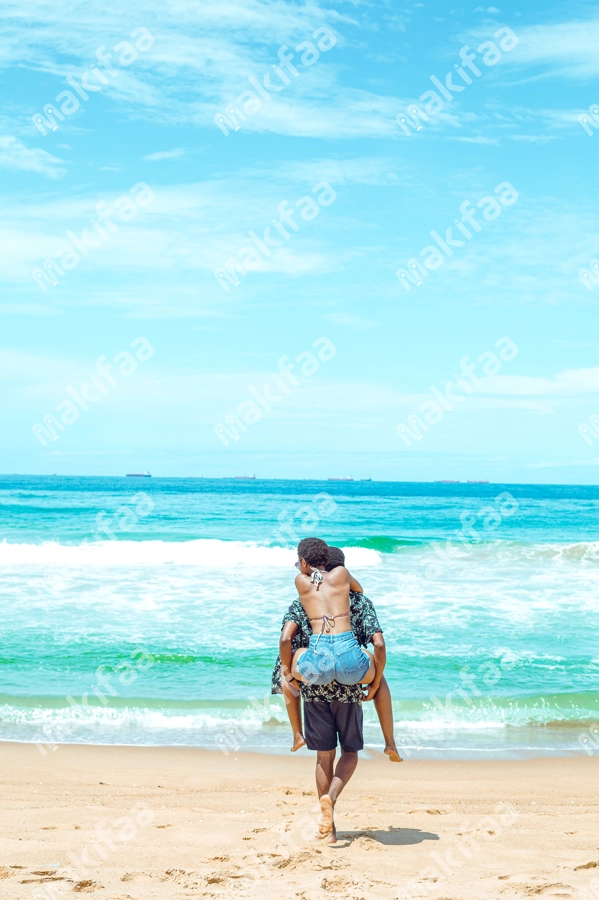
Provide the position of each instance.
(147, 610)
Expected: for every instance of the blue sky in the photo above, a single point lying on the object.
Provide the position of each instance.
(335, 122)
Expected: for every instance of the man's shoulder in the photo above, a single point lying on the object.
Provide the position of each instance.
(360, 602)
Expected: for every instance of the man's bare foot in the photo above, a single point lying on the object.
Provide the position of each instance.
(298, 741)
(326, 825)
(331, 837)
(393, 754)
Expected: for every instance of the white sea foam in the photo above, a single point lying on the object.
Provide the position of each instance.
(204, 553)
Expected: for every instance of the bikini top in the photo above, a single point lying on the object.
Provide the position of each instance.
(317, 577)
(328, 622)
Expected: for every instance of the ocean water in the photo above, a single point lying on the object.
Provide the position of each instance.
(147, 610)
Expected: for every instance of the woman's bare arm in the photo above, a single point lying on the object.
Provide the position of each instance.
(354, 584)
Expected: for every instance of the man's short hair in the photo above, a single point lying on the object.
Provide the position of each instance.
(336, 558)
(314, 551)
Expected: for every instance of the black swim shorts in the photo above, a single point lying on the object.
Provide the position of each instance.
(325, 721)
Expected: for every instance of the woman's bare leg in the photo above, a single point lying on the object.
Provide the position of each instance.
(384, 710)
(371, 671)
(294, 669)
(293, 704)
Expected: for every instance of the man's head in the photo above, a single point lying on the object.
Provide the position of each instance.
(336, 558)
(312, 553)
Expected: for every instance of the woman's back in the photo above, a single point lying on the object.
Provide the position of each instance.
(325, 597)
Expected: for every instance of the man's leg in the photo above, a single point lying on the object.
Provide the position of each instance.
(330, 786)
(343, 772)
(384, 710)
(325, 761)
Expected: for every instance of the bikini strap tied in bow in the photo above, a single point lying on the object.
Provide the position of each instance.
(317, 577)
(328, 622)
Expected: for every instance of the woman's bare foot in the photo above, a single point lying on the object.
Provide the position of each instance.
(393, 754)
(298, 741)
(326, 825)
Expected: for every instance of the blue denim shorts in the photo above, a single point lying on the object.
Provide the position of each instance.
(333, 657)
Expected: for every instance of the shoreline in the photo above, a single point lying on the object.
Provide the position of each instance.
(138, 823)
(371, 751)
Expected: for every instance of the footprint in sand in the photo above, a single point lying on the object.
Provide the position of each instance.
(337, 883)
(430, 812)
(87, 886)
(215, 878)
(173, 874)
(136, 877)
(551, 890)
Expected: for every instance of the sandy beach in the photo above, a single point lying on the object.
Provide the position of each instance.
(141, 823)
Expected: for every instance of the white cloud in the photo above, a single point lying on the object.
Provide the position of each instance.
(165, 154)
(14, 154)
(350, 320)
(474, 140)
(569, 382)
(201, 60)
(373, 170)
(562, 49)
(533, 138)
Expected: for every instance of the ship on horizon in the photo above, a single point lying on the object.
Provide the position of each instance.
(138, 475)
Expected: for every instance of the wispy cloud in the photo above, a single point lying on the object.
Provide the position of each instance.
(164, 154)
(474, 140)
(14, 154)
(569, 383)
(349, 320)
(562, 49)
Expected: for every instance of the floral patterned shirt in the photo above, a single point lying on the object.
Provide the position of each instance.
(364, 623)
